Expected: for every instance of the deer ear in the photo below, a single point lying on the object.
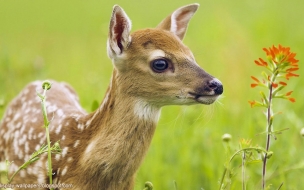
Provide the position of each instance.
(119, 32)
(177, 22)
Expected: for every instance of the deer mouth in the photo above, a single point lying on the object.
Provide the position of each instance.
(203, 98)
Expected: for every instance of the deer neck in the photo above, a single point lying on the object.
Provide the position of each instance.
(122, 127)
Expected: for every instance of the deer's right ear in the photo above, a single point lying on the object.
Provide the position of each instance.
(119, 33)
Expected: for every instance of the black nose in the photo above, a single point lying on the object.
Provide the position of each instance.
(216, 86)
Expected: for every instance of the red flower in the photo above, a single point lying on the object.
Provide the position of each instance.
(261, 62)
(255, 79)
(281, 54)
(252, 103)
(288, 93)
(274, 85)
(282, 62)
(292, 69)
(292, 100)
(255, 84)
(288, 75)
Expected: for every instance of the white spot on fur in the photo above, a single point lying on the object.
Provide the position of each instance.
(70, 159)
(23, 139)
(36, 111)
(40, 134)
(52, 108)
(76, 143)
(22, 173)
(30, 133)
(18, 125)
(63, 137)
(80, 126)
(34, 120)
(27, 110)
(64, 151)
(90, 148)
(24, 105)
(25, 91)
(16, 134)
(20, 155)
(58, 129)
(29, 170)
(23, 99)
(57, 157)
(26, 147)
(59, 112)
(30, 102)
(37, 147)
(13, 167)
(40, 178)
(16, 116)
(16, 147)
(64, 171)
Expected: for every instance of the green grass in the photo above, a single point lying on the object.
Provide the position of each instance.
(66, 41)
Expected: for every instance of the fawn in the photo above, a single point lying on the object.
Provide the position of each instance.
(104, 149)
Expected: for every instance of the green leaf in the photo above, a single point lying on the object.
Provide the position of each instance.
(95, 105)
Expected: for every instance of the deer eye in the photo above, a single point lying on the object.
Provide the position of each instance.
(159, 65)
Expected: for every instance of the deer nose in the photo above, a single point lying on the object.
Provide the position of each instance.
(216, 86)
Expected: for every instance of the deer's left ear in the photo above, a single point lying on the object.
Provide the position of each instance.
(177, 22)
(119, 32)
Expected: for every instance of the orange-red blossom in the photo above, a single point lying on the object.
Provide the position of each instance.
(281, 62)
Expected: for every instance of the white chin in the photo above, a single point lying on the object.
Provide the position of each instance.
(206, 99)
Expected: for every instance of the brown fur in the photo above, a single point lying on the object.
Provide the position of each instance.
(104, 149)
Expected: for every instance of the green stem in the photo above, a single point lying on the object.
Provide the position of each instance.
(223, 177)
(258, 149)
(243, 171)
(10, 180)
(269, 127)
(32, 159)
(46, 125)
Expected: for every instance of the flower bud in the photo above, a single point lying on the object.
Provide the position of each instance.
(226, 137)
(148, 185)
(269, 154)
(46, 85)
(302, 132)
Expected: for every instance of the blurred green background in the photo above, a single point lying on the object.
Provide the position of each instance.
(66, 41)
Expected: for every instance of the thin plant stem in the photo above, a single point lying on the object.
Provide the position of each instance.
(34, 157)
(46, 125)
(280, 186)
(269, 130)
(223, 177)
(258, 149)
(243, 171)
(175, 185)
(10, 179)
